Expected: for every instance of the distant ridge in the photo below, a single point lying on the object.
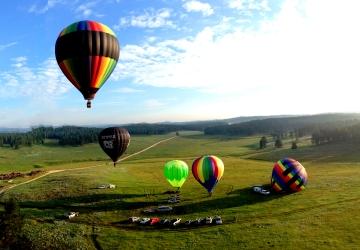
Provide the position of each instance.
(13, 130)
(224, 124)
(278, 125)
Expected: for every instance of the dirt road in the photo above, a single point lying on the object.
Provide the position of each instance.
(72, 169)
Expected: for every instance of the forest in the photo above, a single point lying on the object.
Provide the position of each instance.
(324, 128)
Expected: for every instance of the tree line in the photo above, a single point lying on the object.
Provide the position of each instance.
(75, 136)
(298, 126)
(323, 129)
(339, 134)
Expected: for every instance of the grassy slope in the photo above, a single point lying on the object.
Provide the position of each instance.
(51, 155)
(323, 216)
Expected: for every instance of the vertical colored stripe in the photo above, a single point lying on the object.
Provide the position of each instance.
(66, 68)
(220, 167)
(109, 70)
(199, 170)
(94, 69)
(215, 167)
(104, 63)
(194, 169)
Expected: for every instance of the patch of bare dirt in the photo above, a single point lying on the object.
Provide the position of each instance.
(13, 175)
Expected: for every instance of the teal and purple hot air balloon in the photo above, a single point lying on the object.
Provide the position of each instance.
(208, 170)
(288, 175)
(87, 53)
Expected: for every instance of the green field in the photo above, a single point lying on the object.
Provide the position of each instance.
(324, 216)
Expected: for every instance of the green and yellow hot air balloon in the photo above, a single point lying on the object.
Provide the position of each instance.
(176, 172)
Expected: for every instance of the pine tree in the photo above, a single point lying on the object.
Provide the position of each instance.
(263, 142)
(278, 143)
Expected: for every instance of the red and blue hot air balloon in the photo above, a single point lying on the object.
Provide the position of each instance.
(87, 53)
(288, 175)
(208, 170)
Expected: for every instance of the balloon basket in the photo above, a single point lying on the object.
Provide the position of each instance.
(88, 104)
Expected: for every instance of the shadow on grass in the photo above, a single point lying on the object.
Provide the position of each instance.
(112, 202)
(92, 203)
(236, 198)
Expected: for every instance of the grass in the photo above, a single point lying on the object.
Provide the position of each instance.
(51, 156)
(324, 216)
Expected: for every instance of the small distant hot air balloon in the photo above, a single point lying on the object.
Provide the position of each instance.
(208, 170)
(114, 141)
(288, 175)
(87, 53)
(176, 172)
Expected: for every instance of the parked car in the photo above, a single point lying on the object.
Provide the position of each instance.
(208, 220)
(197, 221)
(174, 200)
(154, 221)
(144, 221)
(134, 219)
(104, 186)
(217, 220)
(164, 209)
(260, 190)
(165, 222)
(188, 222)
(71, 215)
(175, 222)
(149, 210)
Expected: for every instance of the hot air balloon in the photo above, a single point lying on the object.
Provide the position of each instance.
(114, 142)
(87, 53)
(208, 170)
(288, 175)
(176, 172)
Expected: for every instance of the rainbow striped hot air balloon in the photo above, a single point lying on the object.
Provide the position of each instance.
(288, 175)
(87, 53)
(208, 170)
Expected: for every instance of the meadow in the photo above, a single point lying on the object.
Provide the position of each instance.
(323, 216)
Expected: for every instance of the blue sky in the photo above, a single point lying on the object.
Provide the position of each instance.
(184, 60)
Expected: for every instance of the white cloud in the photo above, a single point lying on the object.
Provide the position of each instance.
(197, 6)
(8, 45)
(249, 5)
(35, 8)
(39, 83)
(19, 61)
(153, 104)
(303, 60)
(87, 9)
(151, 19)
(127, 90)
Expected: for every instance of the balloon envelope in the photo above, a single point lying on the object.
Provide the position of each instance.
(87, 53)
(288, 175)
(114, 141)
(208, 170)
(176, 172)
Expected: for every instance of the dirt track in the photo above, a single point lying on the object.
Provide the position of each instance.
(72, 169)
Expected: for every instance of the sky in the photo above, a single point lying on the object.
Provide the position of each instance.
(184, 60)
